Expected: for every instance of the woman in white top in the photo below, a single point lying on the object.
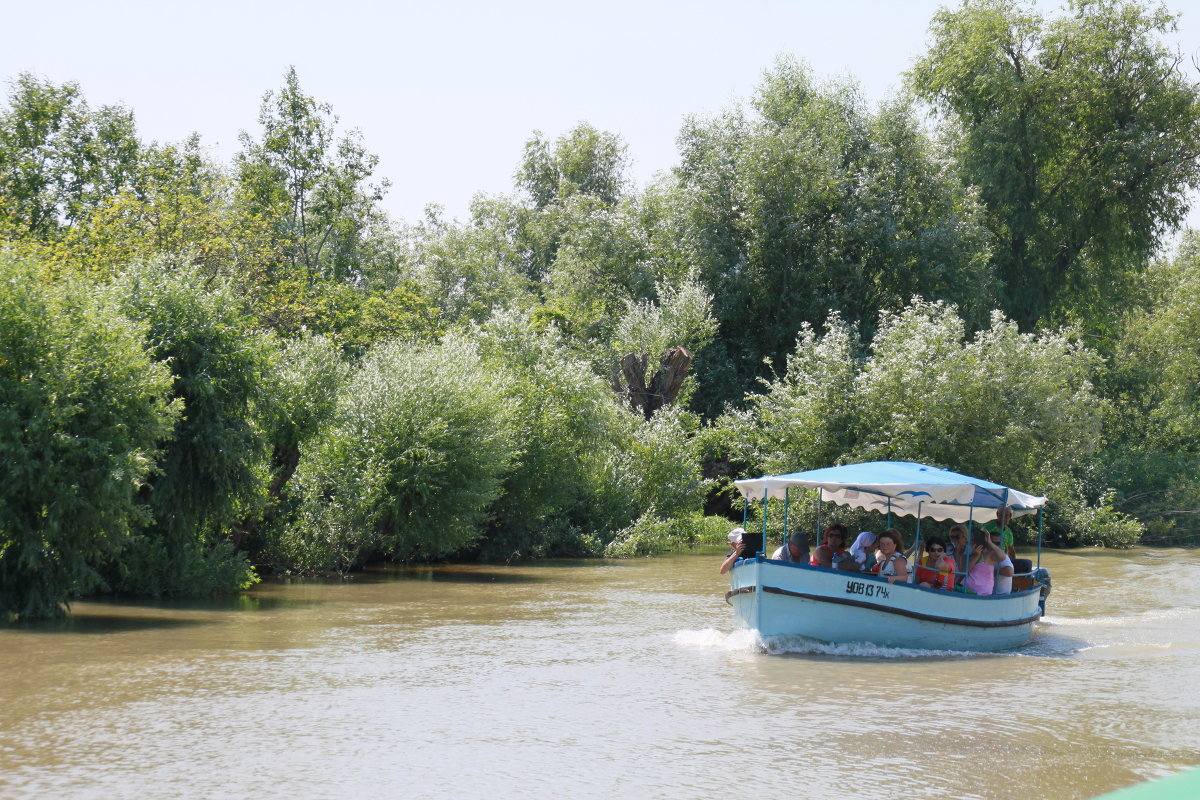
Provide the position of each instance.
(1004, 570)
(892, 564)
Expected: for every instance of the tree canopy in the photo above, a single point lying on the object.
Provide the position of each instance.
(211, 371)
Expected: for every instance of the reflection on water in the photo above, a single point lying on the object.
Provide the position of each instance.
(593, 679)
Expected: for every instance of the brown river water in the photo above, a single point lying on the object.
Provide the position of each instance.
(594, 679)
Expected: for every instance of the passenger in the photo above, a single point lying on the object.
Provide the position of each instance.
(863, 550)
(956, 548)
(936, 570)
(892, 564)
(1004, 570)
(738, 545)
(745, 545)
(981, 568)
(1000, 526)
(832, 551)
(795, 551)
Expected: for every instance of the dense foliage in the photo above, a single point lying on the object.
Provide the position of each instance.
(83, 411)
(209, 371)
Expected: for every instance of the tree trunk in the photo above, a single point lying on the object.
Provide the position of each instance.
(659, 391)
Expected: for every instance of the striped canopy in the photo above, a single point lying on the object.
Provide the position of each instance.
(904, 488)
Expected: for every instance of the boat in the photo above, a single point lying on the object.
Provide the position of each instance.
(779, 598)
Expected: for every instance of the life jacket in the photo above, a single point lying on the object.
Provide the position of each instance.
(885, 564)
(937, 578)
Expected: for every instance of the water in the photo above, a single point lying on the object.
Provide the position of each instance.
(594, 679)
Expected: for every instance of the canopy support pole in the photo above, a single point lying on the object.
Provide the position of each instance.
(912, 572)
(787, 499)
(967, 554)
(1039, 537)
(764, 538)
(819, 495)
(889, 512)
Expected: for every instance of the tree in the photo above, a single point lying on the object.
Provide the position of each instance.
(1153, 453)
(810, 204)
(83, 412)
(209, 475)
(313, 187)
(1082, 134)
(1016, 408)
(585, 160)
(58, 158)
(414, 455)
(182, 209)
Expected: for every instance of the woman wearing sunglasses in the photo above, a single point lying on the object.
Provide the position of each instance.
(936, 569)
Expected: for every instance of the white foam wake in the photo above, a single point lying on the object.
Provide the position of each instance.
(748, 641)
(740, 640)
(1150, 615)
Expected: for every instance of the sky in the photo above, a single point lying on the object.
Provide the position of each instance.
(447, 93)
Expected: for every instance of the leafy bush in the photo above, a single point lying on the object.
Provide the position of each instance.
(210, 475)
(650, 534)
(1006, 406)
(1078, 524)
(82, 411)
(565, 423)
(416, 452)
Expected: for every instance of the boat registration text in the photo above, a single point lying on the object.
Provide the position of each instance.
(867, 589)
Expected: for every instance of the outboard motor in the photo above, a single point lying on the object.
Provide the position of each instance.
(1041, 577)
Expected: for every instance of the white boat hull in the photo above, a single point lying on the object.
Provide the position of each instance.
(782, 599)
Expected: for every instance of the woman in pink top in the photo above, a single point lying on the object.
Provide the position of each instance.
(981, 572)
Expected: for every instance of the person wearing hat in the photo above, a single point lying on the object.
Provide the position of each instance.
(745, 545)
(795, 551)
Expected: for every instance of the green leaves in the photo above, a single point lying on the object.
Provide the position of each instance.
(814, 205)
(1082, 134)
(58, 158)
(1016, 408)
(313, 187)
(83, 411)
(415, 454)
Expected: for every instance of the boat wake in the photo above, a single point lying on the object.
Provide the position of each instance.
(740, 640)
(1125, 620)
(747, 641)
(778, 645)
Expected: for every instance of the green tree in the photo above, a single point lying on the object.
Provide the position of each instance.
(585, 160)
(182, 209)
(1153, 457)
(83, 410)
(1013, 407)
(1082, 134)
(210, 475)
(565, 426)
(414, 456)
(58, 158)
(313, 186)
(810, 203)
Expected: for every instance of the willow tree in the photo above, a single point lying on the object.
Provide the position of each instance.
(59, 158)
(83, 410)
(1082, 134)
(809, 202)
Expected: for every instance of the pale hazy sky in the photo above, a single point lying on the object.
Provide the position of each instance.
(447, 93)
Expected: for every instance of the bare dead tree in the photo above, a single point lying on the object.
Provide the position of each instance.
(629, 380)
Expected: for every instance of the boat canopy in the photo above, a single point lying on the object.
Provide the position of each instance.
(903, 488)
